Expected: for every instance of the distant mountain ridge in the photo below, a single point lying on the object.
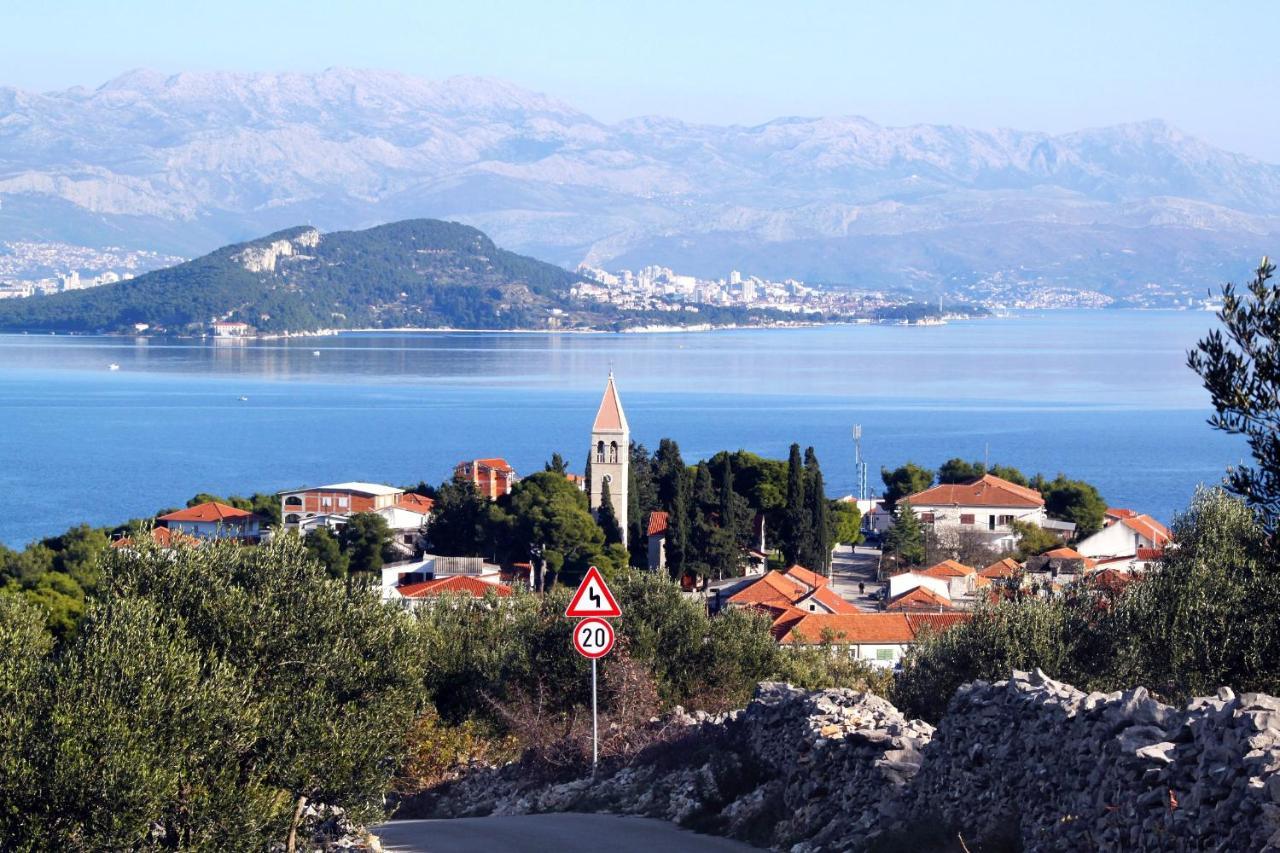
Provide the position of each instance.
(419, 273)
(189, 161)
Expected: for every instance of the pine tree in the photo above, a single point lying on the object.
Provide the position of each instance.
(905, 539)
(795, 521)
(557, 464)
(819, 540)
(608, 519)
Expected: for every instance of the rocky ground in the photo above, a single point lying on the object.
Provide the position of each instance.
(1027, 763)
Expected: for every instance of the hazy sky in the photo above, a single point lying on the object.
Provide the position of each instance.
(1209, 68)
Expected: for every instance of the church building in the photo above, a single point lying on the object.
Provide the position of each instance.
(610, 456)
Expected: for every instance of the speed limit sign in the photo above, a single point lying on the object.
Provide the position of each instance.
(593, 638)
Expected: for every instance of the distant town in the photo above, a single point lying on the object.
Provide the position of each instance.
(29, 268)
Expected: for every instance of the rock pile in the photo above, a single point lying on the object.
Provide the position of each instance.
(1060, 769)
(1030, 762)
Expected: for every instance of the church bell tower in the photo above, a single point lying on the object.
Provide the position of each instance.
(611, 455)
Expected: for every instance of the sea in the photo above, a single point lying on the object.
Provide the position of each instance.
(1103, 396)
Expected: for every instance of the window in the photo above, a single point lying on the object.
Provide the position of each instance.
(991, 522)
(926, 517)
(343, 502)
(599, 451)
(1006, 520)
(884, 654)
(326, 502)
(966, 518)
(291, 519)
(613, 451)
(293, 500)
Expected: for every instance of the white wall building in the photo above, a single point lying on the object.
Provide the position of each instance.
(986, 507)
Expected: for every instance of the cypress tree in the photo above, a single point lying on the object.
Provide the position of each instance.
(728, 499)
(795, 521)
(637, 543)
(608, 519)
(587, 474)
(679, 522)
(819, 539)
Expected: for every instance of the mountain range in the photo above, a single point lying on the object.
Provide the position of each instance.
(187, 162)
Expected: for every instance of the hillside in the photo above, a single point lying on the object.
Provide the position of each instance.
(419, 273)
(182, 163)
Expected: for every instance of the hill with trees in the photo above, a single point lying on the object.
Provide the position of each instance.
(416, 273)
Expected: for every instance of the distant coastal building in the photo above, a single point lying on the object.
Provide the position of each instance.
(610, 456)
(226, 329)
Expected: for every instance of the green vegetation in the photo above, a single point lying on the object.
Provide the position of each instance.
(209, 695)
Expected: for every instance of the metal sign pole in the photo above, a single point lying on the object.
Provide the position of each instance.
(595, 722)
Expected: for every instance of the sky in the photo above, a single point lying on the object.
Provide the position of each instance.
(1208, 68)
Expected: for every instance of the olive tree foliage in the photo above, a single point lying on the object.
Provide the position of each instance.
(1240, 366)
(210, 694)
(1202, 618)
(24, 646)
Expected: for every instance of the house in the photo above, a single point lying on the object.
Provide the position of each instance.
(904, 582)
(492, 477)
(881, 639)
(1127, 534)
(797, 589)
(657, 533)
(164, 538)
(919, 599)
(414, 594)
(1001, 570)
(961, 580)
(985, 507)
(1060, 561)
(431, 567)
(337, 499)
(213, 520)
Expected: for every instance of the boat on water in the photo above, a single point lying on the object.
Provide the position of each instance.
(243, 399)
(113, 366)
(315, 352)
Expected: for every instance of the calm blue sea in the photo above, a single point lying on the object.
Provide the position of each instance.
(1100, 395)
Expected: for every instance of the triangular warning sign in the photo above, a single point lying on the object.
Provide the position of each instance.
(593, 598)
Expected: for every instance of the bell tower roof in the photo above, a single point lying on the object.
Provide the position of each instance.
(610, 417)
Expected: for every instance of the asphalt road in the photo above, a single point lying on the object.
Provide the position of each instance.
(548, 833)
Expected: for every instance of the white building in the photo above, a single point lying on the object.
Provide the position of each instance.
(986, 507)
(1129, 541)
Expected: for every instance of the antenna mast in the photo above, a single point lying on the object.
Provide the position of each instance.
(860, 464)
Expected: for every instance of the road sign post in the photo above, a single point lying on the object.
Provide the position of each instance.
(593, 637)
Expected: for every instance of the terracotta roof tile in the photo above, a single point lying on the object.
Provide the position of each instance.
(828, 598)
(918, 598)
(986, 491)
(1006, 568)
(948, 569)
(416, 503)
(210, 512)
(1148, 527)
(772, 588)
(610, 417)
(657, 522)
(806, 577)
(440, 586)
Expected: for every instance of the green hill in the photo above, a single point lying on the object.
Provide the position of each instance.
(416, 273)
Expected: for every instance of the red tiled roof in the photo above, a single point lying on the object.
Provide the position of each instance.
(1148, 527)
(806, 577)
(657, 522)
(1070, 554)
(495, 463)
(855, 628)
(1006, 568)
(1111, 579)
(210, 512)
(416, 503)
(828, 598)
(772, 588)
(440, 586)
(989, 490)
(918, 598)
(1150, 555)
(948, 569)
(1116, 513)
(922, 622)
(162, 536)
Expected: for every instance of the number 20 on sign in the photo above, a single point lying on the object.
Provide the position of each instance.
(593, 638)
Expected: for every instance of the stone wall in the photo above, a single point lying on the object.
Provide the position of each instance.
(1027, 762)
